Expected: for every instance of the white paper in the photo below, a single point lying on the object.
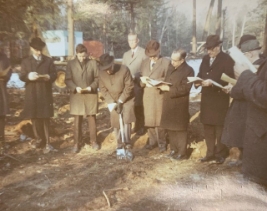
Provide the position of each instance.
(111, 106)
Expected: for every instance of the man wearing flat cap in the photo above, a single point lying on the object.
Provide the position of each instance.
(214, 102)
(252, 87)
(82, 80)
(154, 67)
(38, 73)
(5, 73)
(117, 87)
(235, 121)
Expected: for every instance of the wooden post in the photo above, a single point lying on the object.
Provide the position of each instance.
(70, 29)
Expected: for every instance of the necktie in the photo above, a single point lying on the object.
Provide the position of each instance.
(211, 61)
(132, 54)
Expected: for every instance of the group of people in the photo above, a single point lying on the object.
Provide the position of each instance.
(151, 93)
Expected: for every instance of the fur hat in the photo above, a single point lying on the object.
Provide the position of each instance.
(152, 48)
(37, 43)
(212, 41)
(106, 61)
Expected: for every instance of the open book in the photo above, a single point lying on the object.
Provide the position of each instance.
(153, 82)
(240, 58)
(197, 79)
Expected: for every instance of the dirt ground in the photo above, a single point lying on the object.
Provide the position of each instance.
(96, 180)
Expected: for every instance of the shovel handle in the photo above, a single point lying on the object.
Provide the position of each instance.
(121, 127)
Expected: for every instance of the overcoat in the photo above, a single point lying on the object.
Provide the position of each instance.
(77, 76)
(153, 97)
(253, 88)
(38, 94)
(4, 64)
(214, 102)
(118, 86)
(175, 112)
(134, 64)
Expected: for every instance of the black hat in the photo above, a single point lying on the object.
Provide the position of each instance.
(245, 38)
(106, 61)
(37, 43)
(212, 41)
(152, 48)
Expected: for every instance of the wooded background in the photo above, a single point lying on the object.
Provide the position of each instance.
(109, 21)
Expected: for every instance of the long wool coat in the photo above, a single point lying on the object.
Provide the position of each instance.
(118, 86)
(253, 88)
(134, 64)
(153, 97)
(38, 94)
(214, 102)
(4, 64)
(76, 76)
(175, 112)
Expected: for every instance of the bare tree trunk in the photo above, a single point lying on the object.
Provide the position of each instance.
(219, 19)
(164, 28)
(223, 24)
(207, 23)
(194, 37)
(233, 38)
(132, 24)
(243, 26)
(70, 29)
(265, 36)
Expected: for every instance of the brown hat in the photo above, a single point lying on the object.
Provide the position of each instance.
(152, 48)
(245, 38)
(37, 43)
(106, 61)
(250, 45)
(212, 41)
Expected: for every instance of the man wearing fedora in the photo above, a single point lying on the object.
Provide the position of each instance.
(38, 73)
(5, 73)
(154, 67)
(252, 87)
(214, 101)
(235, 121)
(82, 79)
(117, 86)
(133, 59)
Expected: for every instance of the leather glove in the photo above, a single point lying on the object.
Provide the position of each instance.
(119, 107)
(33, 76)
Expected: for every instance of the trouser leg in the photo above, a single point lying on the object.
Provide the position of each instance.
(221, 149)
(37, 129)
(152, 136)
(160, 132)
(46, 124)
(118, 137)
(139, 114)
(127, 133)
(210, 137)
(92, 128)
(2, 135)
(77, 129)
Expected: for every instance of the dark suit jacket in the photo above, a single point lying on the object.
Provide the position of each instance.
(118, 86)
(214, 102)
(175, 112)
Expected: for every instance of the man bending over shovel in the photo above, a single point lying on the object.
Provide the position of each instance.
(117, 87)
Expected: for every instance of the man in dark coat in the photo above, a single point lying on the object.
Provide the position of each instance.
(235, 121)
(38, 73)
(82, 79)
(5, 73)
(214, 102)
(253, 88)
(155, 67)
(133, 59)
(117, 86)
(175, 111)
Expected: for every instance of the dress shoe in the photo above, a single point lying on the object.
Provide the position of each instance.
(207, 159)
(172, 154)
(179, 157)
(75, 149)
(219, 160)
(48, 148)
(39, 144)
(141, 132)
(150, 147)
(95, 146)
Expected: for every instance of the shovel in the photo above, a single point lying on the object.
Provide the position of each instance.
(123, 153)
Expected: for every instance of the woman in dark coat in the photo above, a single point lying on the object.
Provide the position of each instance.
(117, 86)
(175, 111)
(5, 73)
(38, 73)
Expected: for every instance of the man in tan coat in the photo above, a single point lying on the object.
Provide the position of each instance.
(133, 59)
(155, 67)
(82, 79)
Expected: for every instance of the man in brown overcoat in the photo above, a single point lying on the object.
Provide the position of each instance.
(154, 67)
(5, 73)
(214, 101)
(117, 86)
(82, 79)
(38, 73)
(175, 112)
